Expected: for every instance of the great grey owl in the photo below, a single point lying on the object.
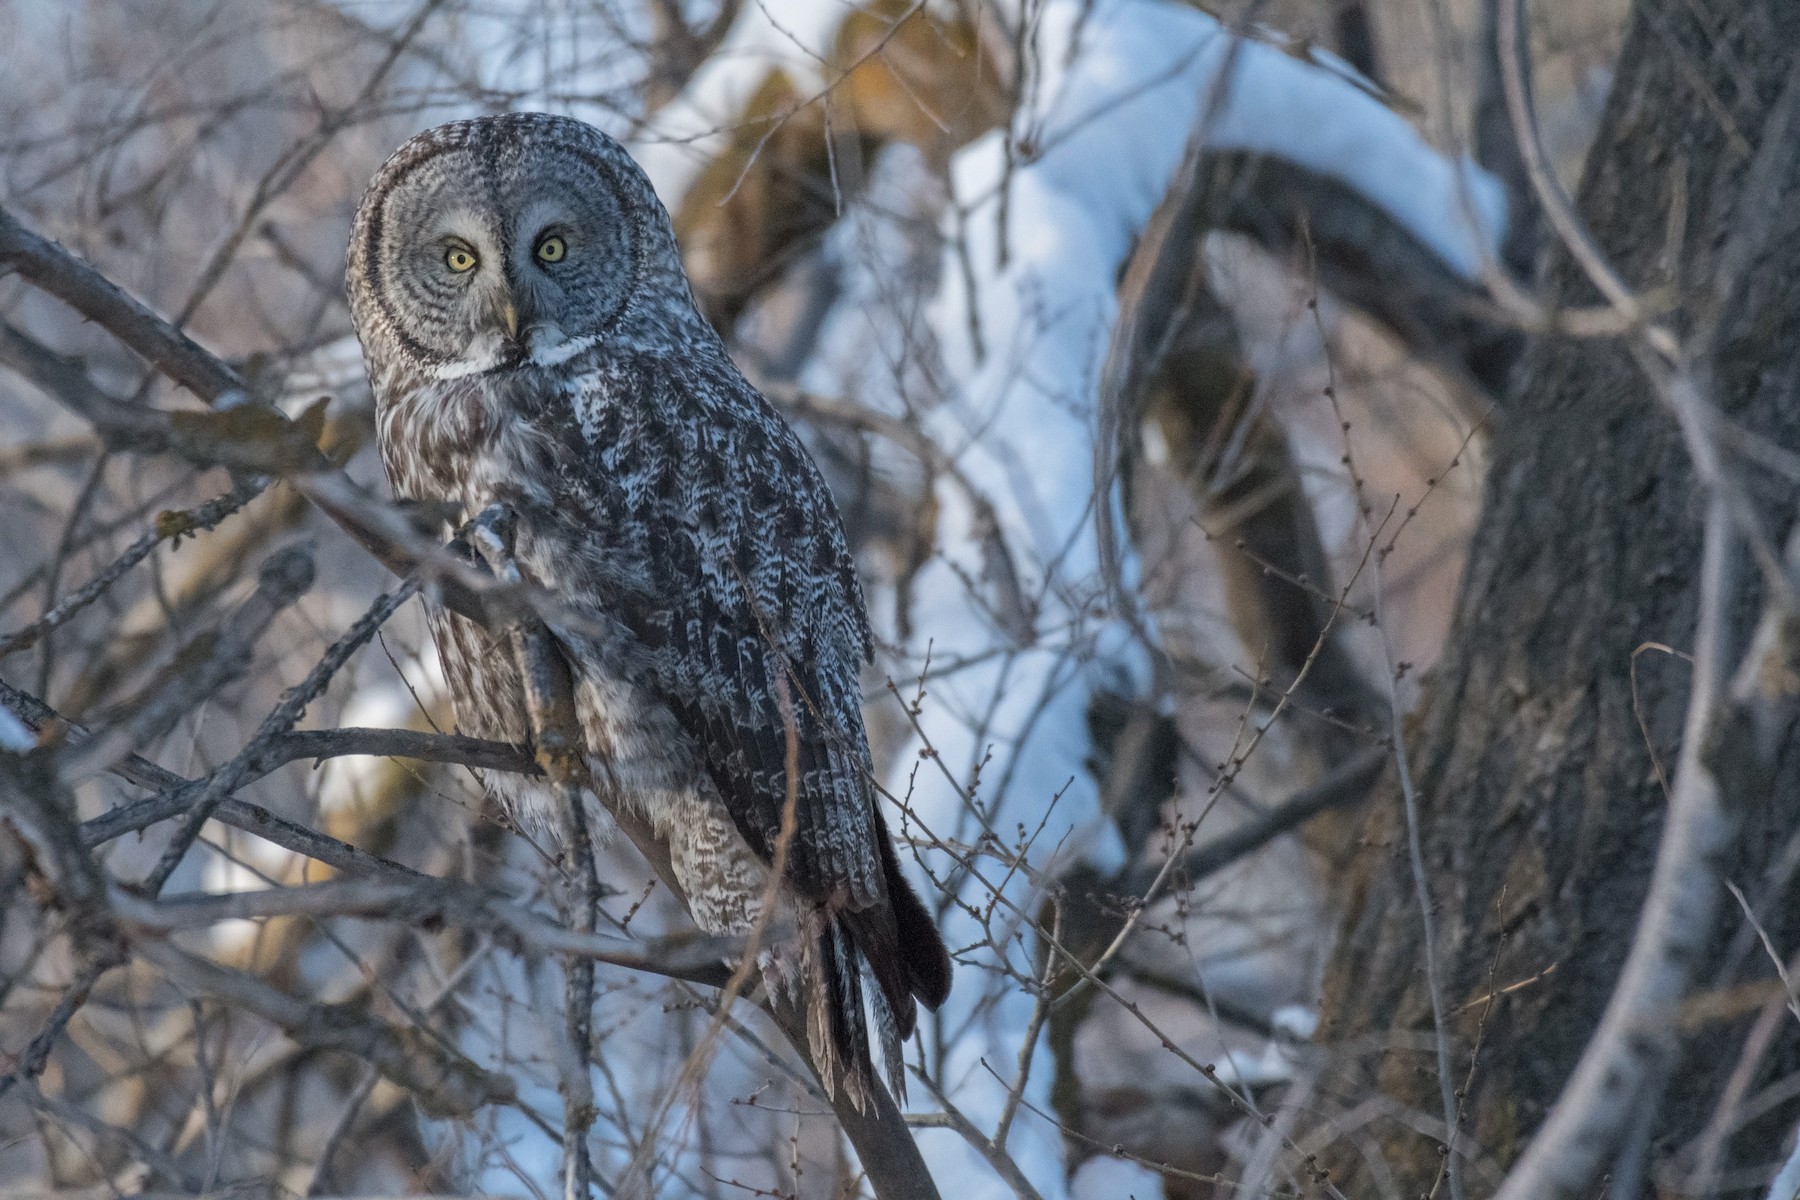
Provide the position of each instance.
(532, 340)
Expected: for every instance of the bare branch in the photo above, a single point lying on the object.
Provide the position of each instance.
(1348, 784)
(1732, 736)
(953, 1118)
(38, 808)
(1497, 149)
(53, 269)
(316, 744)
(426, 901)
(120, 425)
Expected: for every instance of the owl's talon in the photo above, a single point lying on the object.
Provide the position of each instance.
(495, 525)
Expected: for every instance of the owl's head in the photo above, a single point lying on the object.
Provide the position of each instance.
(508, 241)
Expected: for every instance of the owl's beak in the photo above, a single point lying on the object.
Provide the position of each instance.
(506, 325)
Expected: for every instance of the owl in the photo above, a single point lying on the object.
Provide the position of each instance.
(532, 341)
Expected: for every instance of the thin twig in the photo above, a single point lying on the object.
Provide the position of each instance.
(444, 1082)
(427, 901)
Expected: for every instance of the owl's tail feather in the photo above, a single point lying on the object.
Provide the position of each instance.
(867, 941)
(897, 943)
(923, 955)
(829, 987)
(906, 959)
(837, 1032)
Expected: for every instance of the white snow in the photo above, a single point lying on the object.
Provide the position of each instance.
(794, 35)
(1295, 1021)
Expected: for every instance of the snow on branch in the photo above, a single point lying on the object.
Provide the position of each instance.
(1001, 369)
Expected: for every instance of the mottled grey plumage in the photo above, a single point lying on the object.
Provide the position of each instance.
(666, 505)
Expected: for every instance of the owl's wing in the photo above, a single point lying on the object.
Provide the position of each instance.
(750, 622)
(752, 619)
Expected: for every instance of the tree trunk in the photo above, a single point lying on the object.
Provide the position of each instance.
(1538, 794)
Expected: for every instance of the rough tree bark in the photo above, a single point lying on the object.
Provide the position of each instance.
(1539, 800)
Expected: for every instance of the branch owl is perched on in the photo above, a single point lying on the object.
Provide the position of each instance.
(532, 341)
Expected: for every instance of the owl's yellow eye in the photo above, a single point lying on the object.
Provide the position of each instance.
(551, 249)
(459, 259)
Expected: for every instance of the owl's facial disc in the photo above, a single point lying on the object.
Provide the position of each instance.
(497, 261)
